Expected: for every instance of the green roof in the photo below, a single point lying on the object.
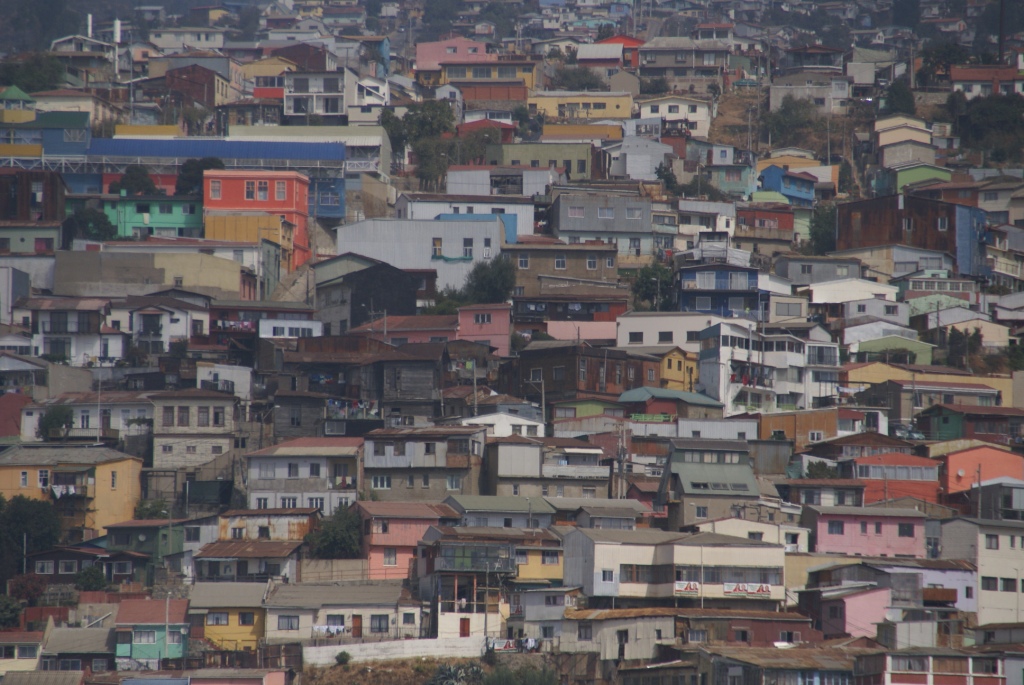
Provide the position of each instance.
(768, 196)
(524, 505)
(645, 393)
(712, 476)
(15, 93)
(55, 120)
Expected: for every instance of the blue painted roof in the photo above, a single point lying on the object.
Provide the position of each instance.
(215, 147)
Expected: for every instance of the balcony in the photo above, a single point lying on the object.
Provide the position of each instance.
(233, 326)
(83, 434)
(65, 327)
(571, 471)
(344, 482)
(80, 490)
(150, 331)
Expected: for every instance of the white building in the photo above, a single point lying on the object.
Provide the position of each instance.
(93, 415)
(178, 39)
(637, 329)
(155, 322)
(696, 112)
(72, 328)
(429, 206)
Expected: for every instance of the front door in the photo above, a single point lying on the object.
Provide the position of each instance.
(463, 627)
(243, 569)
(357, 625)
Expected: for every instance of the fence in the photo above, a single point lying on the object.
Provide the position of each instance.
(450, 647)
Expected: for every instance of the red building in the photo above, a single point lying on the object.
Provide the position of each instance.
(282, 193)
(765, 215)
(894, 475)
(630, 49)
(499, 131)
(392, 531)
(197, 84)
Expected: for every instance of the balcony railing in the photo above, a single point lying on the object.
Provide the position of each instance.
(69, 327)
(573, 471)
(83, 433)
(148, 331)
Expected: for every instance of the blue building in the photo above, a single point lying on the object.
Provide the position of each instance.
(49, 134)
(796, 186)
(728, 168)
(722, 289)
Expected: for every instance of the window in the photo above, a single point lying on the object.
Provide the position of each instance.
(192, 534)
(379, 623)
(787, 308)
(435, 250)
(584, 631)
(549, 558)
(144, 637)
(380, 483)
(701, 512)
(607, 575)
(287, 622)
(481, 318)
(250, 190)
(246, 618)
(467, 248)
(942, 223)
(44, 567)
(183, 416)
(581, 166)
(214, 190)
(634, 213)
(560, 262)
(991, 542)
(789, 636)
(293, 470)
(878, 528)
(1008, 584)
(524, 260)
(697, 636)
(665, 337)
(454, 483)
(636, 338)
(577, 212)
(218, 418)
(906, 530)
(835, 528)
(217, 618)
(390, 556)
(237, 533)
(605, 212)
(989, 583)
(890, 310)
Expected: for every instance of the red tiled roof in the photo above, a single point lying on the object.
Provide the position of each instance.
(11, 404)
(21, 637)
(151, 611)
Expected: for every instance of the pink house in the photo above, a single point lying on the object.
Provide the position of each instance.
(866, 531)
(489, 324)
(392, 530)
(854, 612)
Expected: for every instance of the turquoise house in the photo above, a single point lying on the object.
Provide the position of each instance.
(139, 216)
(149, 631)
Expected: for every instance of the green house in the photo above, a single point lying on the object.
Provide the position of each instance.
(140, 216)
(582, 408)
(894, 348)
(149, 631)
(155, 538)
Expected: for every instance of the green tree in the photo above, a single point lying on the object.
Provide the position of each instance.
(394, 126)
(190, 178)
(428, 120)
(900, 99)
(576, 78)
(248, 22)
(823, 229)
(90, 224)
(90, 579)
(956, 347)
(906, 13)
(431, 161)
(653, 286)
(26, 525)
(654, 86)
(338, 537)
(33, 73)
(605, 31)
(151, 509)
(491, 282)
(134, 181)
(668, 178)
(27, 587)
(792, 123)
(55, 421)
(10, 612)
(937, 57)
(821, 469)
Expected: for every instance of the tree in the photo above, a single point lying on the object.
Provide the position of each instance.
(822, 469)
(135, 181)
(431, 161)
(428, 120)
(151, 509)
(792, 122)
(90, 579)
(900, 99)
(55, 421)
(937, 57)
(668, 178)
(605, 31)
(28, 588)
(491, 282)
(26, 525)
(956, 348)
(394, 126)
(10, 612)
(823, 229)
(653, 285)
(906, 13)
(338, 537)
(654, 86)
(576, 78)
(90, 224)
(34, 73)
(248, 22)
(190, 178)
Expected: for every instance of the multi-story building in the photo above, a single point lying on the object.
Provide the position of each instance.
(192, 427)
(696, 112)
(505, 69)
(892, 475)
(322, 95)
(155, 323)
(96, 417)
(519, 466)
(177, 39)
(393, 530)
(137, 217)
(645, 567)
(722, 289)
(906, 398)
(569, 105)
(685, 62)
(282, 193)
(321, 473)
(579, 161)
(375, 609)
(72, 329)
(229, 615)
(828, 91)
(930, 665)
(257, 545)
(707, 479)
(422, 464)
(159, 630)
(91, 487)
(621, 219)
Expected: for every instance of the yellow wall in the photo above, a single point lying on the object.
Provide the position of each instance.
(17, 116)
(880, 373)
(529, 79)
(603, 131)
(234, 636)
(109, 505)
(252, 229)
(204, 272)
(674, 378)
(617, 106)
(271, 66)
(139, 130)
(534, 569)
(21, 150)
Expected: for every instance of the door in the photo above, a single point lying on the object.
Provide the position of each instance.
(243, 569)
(357, 625)
(463, 627)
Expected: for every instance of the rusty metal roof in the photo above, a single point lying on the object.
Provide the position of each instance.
(248, 549)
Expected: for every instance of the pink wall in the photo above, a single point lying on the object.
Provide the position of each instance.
(403, 535)
(495, 333)
(860, 613)
(870, 544)
(271, 678)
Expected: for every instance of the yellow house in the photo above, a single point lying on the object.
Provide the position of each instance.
(252, 228)
(91, 487)
(267, 67)
(230, 615)
(480, 73)
(679, 369)
(870, 373)
(569, 104)
(538, 563)
(582, 132)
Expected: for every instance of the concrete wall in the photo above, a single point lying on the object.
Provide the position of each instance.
(317, 570)
(451, 647)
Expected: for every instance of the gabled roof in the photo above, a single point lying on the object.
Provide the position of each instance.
(226, 595)
(80, 641)
(870, 512)
(311, 447)
(645, 393)
(340, 593)
(493, 503)
(48, 455)
(432, 511)
(249, 549)
(132, 612)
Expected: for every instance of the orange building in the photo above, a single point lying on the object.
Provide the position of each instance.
(281, 193)
(965, 469)
(893, 475)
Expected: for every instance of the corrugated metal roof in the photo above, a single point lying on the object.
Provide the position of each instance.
(524, 505)
(794, 658)
(80, 641)
(216, 147)
(645, 393)
(867, 512)
(408, 510)
(353, 593)
(24, 455)
(248, 549)
(576, 503)
(226, 595)
(44, 677)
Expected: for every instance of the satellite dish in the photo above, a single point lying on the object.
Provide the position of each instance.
(142, 537)
(960, 473)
